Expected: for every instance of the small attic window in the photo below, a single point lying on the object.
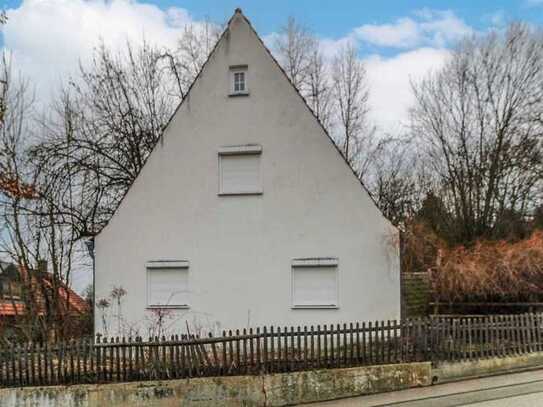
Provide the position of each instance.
(238, 80)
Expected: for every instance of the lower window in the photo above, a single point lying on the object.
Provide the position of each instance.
(168, 284)
(315, 283)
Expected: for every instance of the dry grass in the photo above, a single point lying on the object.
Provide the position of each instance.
(491, 270)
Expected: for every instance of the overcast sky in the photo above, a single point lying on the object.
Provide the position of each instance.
(398, 40)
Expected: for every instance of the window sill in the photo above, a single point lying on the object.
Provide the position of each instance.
(315, 307)
(239, 193)
(316, 262)
(236, 94)
(152, 307)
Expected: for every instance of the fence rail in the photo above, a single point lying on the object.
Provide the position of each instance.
(270, 350)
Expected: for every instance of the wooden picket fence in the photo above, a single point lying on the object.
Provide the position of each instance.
(270, 350)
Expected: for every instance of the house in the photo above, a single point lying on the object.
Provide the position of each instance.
(21, 290)
(245, 213)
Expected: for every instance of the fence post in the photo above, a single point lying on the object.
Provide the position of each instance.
(262, 368)
(538, 330)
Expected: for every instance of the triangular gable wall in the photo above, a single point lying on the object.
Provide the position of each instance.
(222, 38)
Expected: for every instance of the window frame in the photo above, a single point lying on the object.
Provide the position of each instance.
(314, 262)
(240, 150)
(237, 69)
(154, 266)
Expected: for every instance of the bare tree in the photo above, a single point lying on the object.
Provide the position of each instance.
(351, 94)
(394, 180)
(479, 124)
(193, 49)
(294, 46)
(319, 89)
(299, 54)
(64, 184)
(32, 227)
(102, 128)
(105, 123)
(3, 78)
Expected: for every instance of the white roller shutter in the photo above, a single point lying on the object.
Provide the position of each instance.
(314, 286)
(240, 174)
(167, 287)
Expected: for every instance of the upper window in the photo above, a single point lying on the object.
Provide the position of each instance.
(238, 79)
(239, 170)
(315, 283)
(168, 284)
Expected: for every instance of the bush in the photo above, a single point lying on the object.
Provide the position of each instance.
(497, 271)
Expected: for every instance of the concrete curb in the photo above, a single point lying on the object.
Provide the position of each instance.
(450, 372)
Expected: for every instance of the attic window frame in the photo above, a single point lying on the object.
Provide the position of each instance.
(237, 69)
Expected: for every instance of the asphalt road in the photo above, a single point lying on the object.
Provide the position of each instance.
(513, 390)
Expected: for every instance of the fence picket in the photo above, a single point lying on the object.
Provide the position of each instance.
(325, 346)
(238, 357)
(331, 357)
(319, 346)
(537, 318)
(527, 333)
(293, 349)
(305, 351)
(264, 366)
(245, 357)
(345, 345)
(312, 344)
(351, 345)
(271, 355)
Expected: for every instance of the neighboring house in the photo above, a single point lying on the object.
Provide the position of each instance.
(11, 303)
(246, 213)
(18, 289)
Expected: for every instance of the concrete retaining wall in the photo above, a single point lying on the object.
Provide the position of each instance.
(447, 372)
(270, 390)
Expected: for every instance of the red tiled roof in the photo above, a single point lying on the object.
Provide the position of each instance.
(76, 304)
(9, 308)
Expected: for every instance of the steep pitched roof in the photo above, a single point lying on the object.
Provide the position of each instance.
(238, 12)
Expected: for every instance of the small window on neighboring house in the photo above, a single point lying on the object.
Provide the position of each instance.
(238, 79)
(10, 290)
(240, 170)
(315, 283)
(168, 284)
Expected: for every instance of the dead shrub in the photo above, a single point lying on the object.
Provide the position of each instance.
(497, 271)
